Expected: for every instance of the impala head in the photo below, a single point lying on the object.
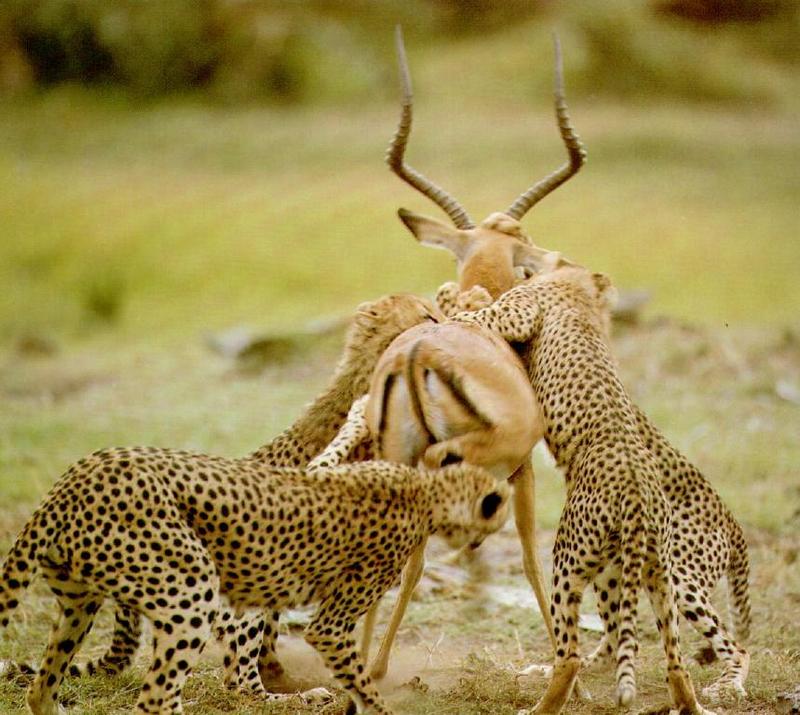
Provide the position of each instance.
(496, 251)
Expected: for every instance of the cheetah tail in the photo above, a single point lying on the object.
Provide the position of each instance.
(739, 587)
(20, 567)
(632, 543)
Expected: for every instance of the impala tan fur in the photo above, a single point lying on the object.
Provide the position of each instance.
(490, 258)
(706, 540)
(441, 394)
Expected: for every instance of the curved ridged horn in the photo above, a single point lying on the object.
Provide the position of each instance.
(397, 148)
(575, 149)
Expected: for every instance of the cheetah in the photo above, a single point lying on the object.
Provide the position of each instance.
(250, 660)
(616, 510)
(171, 535)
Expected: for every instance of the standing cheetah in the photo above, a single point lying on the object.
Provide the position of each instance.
(169, 534)
(616, 510)
(250, 657)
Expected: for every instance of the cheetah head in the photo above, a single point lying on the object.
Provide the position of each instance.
(472, 503)
(378, 322)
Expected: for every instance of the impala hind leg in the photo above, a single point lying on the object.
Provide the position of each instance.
(408, 582)
(525, 520)
(367, 629)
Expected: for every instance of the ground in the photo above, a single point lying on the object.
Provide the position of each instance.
(728, 397)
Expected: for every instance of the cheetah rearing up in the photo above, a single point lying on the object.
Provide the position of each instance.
(169, 534)
(616, 511)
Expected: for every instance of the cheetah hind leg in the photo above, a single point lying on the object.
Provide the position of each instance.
(659, 590)
(695, 606)
(77, 609)
(117, 659)
(124, 644)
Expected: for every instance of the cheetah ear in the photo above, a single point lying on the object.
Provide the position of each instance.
(436, 234)
(606, 292)
(602, 282)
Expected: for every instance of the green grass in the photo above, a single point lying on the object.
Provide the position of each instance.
(167, 220)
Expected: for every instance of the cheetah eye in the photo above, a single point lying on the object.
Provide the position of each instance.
(490, 504)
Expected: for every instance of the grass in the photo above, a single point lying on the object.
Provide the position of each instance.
(171, 219)
(128, 233)
(712, 389)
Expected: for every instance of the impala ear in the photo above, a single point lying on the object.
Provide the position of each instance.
(435, 234)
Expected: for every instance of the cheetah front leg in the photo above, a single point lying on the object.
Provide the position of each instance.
(331, 634)
(568, 586)
(451, 299)
(242, 637)
(353, 432)
(525, 521)
(513, 316)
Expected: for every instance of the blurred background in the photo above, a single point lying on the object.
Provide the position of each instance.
(172, 167)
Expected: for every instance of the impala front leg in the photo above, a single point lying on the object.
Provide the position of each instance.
(408, 582)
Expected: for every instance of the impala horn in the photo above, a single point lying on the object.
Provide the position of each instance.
(575, 149)
(397, 148)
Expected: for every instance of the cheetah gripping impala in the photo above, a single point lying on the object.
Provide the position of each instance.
(616, 514)
(171, 534)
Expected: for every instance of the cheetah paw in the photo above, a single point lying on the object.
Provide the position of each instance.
(316, 696)
(723, 690)
(473, 299)
(545, 671)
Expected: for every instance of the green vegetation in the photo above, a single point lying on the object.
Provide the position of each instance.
(131, 229)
